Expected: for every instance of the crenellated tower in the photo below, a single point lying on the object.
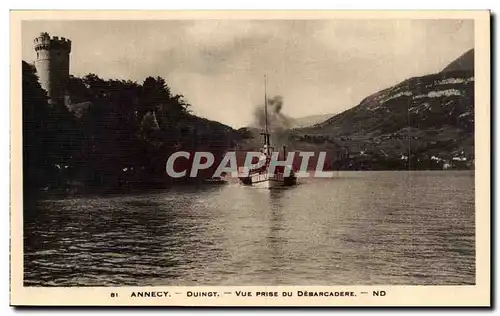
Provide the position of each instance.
(52, 65)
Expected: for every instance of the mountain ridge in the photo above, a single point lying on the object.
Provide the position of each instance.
(464, 62)
(426, 119)
(310, 120)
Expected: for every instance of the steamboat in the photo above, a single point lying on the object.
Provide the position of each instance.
(262, 176)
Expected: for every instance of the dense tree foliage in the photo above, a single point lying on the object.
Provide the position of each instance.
(110, 134)
(46, 150)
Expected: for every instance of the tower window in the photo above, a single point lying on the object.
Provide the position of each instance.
(37, 55)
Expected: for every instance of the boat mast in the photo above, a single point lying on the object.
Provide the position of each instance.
(265, 102)
(266, 135)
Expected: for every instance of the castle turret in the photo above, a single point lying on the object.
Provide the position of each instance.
(52, 65)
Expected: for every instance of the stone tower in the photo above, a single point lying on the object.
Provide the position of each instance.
(52, 65)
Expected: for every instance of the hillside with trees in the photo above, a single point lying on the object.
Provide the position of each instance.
(110, 135)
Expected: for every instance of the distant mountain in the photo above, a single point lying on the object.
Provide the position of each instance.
(429, 118)
(309, 120)
(250, 136)
(462, 63)
(432, 101)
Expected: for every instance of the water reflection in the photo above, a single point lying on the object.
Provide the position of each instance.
(362, 228)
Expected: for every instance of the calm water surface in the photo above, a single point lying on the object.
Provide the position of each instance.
(359, 228)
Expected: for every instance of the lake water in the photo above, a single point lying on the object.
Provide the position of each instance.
(358, 228)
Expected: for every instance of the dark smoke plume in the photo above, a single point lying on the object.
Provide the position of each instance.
(277, 122)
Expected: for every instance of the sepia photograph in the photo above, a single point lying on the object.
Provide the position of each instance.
(296, 157)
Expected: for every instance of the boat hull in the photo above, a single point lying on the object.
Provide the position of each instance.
(263, 181)
(268, 184)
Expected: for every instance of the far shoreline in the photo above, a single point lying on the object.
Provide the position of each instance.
(60, 193)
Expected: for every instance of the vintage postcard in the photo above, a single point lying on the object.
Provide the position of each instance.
(250, 158)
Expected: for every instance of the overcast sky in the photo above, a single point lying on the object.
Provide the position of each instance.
(318, 66)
